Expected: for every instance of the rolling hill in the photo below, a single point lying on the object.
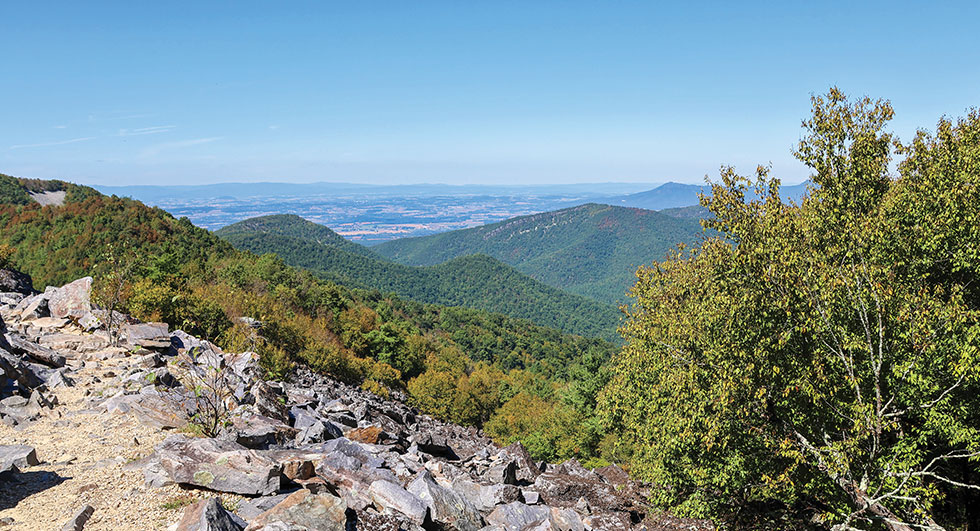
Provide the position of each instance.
(474, 281)
(591, 250)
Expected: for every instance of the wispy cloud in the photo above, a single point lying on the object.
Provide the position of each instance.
(57, 143)
(167, 146)
(273, 127)
(147, 130)
(60, 127)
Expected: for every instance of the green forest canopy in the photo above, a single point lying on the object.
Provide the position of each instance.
(474, 281)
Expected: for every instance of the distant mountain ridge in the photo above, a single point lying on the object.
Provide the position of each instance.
(677, 195)
(474, 281)
(591, 250)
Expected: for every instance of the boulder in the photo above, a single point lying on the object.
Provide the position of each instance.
(13, 281)
(349, 465)
(223, 466)
(147, 335)
(72, 299)
(516, 515)
(209, 515)
(485, 497)
(305, 510)
(503, 470)
(445, 506)
(259, 431)
(527, 470)
(19, 455)
(391, 497)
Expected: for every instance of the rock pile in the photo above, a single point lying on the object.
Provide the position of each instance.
(310, 453)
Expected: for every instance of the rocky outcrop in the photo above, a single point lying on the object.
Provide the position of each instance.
(308, 453)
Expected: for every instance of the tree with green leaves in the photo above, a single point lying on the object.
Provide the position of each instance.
(821, 355)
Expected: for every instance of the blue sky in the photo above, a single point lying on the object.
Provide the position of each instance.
(456, 92)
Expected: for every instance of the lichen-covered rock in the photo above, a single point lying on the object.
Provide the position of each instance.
(304, 510)
(223, 466)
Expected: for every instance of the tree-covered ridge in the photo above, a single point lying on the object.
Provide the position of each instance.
(821, 358)
(293, 226)
(590, 250)
(476, 281)
(463, 365)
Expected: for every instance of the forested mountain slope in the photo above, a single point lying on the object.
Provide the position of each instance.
(591, 250)
(477, 281)
(463, 365)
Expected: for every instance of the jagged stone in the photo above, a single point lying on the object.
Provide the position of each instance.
(527, 470)
(445, 506)
(72, 299)
(348, 464)
(502, 471)
(33, 307)
(304, 510)
(390, 496)
(320, 431)
(147, 335)
(259, 431)
(78, 521)
(223, 466)
(485, 497)
(209, 515)
(516, 515)
(17, 457)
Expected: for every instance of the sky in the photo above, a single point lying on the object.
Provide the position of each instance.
(458, 92)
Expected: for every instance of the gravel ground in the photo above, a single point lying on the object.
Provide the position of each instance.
(82, 454)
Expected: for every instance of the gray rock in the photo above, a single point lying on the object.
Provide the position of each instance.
(77, 522)
(566, 519)
(72, 299)
(445, 506)
(516, 515)
(209, 515)
(530, 497)
(349, 465)
(147, 335)
(390, 496)
(33, 307)
(304, 510)
(249, 509)
(486, 497)
(503, 470)
(259, 431)
(223, 466)
(19, 455)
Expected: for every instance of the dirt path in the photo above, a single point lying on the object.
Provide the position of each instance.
(82, 454)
